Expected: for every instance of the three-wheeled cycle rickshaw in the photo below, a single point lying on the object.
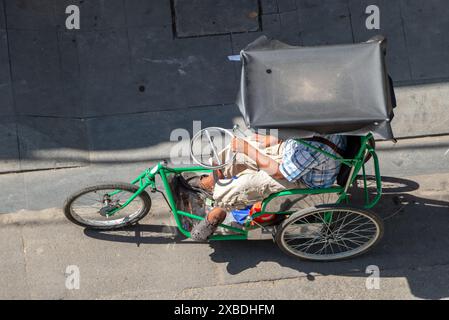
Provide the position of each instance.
(288, 88)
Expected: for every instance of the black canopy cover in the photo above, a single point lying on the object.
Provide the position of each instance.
(305, 91)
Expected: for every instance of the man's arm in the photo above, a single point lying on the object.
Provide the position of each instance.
(263, 161)
(266, 140)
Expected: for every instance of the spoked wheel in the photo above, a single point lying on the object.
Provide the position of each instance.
(91, 207)
(330, 232)
(210, 148)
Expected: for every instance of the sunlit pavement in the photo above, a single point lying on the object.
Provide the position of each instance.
(40, 249)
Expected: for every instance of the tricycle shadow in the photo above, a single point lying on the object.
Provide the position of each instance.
(415, 241)
(414, 245)
(140, 234)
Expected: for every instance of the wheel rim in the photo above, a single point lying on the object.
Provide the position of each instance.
(348, 233)
(90, 208)
(206, 137)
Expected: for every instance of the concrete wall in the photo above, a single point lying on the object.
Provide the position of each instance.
(116, 88)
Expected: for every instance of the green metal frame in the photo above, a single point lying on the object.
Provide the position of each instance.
(147, 179)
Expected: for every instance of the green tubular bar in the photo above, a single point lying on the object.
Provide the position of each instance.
(187, 169)
(145, 179)
(130, 199)
(296, 191)
(365, 189)
(171, 201)
(163, 174)
(348, 162)
(194, 216)
(378, 179)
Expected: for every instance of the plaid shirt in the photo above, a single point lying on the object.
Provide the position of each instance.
(313, 168)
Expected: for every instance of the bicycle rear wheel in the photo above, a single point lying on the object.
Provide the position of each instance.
(329, 233)
(91, 207)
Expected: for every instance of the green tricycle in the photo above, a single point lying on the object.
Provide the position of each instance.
(304, 92)
(321, 232)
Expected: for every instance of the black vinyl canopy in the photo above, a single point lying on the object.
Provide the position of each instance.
(307, 91)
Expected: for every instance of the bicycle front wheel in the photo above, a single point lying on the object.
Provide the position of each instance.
(91, 207)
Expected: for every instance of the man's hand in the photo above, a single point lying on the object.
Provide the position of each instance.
(263, 161)
(265, 141)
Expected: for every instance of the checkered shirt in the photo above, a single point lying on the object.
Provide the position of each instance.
(313, 168)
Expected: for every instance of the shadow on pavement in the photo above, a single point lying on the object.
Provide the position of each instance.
(140, 234)
(415, 238)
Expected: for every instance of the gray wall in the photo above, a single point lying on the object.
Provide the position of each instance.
(138, 69)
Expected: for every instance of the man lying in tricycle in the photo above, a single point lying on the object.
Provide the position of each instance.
(339, 95)
(264, 166)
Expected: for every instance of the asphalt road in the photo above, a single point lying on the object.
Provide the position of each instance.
(38, 248)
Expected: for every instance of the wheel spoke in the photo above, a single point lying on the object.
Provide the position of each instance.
(343, 244)
(214, 149)
(354, 241)
(309, 243)
(348, 223)
(357, 236)
(326, 224)
(361, 225)
(326, 244)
